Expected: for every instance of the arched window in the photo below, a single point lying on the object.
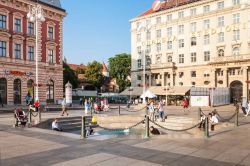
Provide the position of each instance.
(3, 90)
(158, 59)
(170, 58)
(50, 91)
(236, 51)
(221, 53)
(17, 91)
(30, 88)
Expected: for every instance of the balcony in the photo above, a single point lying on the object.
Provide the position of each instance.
(162, 65)
(234, 58)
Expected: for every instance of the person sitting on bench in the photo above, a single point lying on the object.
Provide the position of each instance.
(154, 131)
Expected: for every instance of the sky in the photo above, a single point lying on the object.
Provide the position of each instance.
(98, 29)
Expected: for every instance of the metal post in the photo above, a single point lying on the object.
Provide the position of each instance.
(207, 127)
(83, 131)
(30, 119)
(147, 127)
(236, 120)
(40, 116)
(119, 110)
(199, 113)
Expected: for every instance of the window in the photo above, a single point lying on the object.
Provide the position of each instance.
(221, 37)
(236, 34)
(50, 91)
(206, 8)
(236, 18)
(181, 58)
(17, 25)
(158, 47)
(220, 53)
(138, 77)
(31, 28)
(193, 83)
(139, 49)
(2, 49)
(31, 53)
(170, 59)
(193, 57)
(236, 2)
(180, 83)
(148, 35)
(181, 74)
(181, 29)
(193, 26)
(51, 33)
(181, 14)
(193, 12)
(158, 33)
(148, 60)
(236, 51)
(138, 37)
(169, 45)
(206, 39)
(148, 48)
(51, 56)
(220, 5)
(181, 43)
(206, 74)
(193, 73)
(169, 17)
(139, 65)
(158, 58)
(207, 56)
(193, 41)
(221, 21)
(18, 51)
(3, 22)
(169, 31)
(206, 24)
(158, 20)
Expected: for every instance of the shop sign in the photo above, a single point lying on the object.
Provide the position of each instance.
(17, 73)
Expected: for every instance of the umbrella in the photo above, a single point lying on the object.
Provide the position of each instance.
(148, 94)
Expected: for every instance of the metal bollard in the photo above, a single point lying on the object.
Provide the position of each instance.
(207, 128)
(119, 110)
(30, 117)
(199, 113)
(83, 131)
(147, 127)
(40, 115)
(236, 120)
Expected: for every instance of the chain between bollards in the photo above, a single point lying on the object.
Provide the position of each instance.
(83, 131)
(207, 127)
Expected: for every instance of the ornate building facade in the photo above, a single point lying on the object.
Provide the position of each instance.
(17, 51)
(203, 43)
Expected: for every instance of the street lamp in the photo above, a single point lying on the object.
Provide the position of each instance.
(36, 14)
(147, 28)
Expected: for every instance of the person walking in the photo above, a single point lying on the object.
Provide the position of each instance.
(64, 107)
(151, 110)
(86, 105)
(161, 111)
(248, 108)
(244, 105)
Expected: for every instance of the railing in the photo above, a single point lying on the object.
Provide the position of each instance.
(162, 65)
(231, 58)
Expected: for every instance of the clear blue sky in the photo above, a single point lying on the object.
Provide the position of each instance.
(98, 29)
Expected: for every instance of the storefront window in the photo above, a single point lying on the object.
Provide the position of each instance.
(30, 88)
(17, 91)
(3, 90)
(50, 91)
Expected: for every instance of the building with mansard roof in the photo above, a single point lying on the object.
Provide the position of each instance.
(202, 43)
(17, 51)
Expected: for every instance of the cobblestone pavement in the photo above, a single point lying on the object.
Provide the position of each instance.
(38, 147)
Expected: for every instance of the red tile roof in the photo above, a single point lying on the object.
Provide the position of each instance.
(167, 5)
(75, 66)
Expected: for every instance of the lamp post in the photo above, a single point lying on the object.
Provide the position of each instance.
(146, 28)
(36, 14)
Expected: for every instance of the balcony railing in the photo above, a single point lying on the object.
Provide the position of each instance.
(231, 58)
(162, 65)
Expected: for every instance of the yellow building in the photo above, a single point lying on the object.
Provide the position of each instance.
(203, 43)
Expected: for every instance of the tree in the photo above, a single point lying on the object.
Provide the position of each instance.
(119, 68)
(69, 76)
(94, 73)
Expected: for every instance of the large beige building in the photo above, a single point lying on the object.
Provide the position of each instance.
(203, 43)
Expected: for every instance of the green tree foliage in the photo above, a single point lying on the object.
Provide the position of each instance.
(119, 68)
(80, 71)
(69, 76)
(94, 73)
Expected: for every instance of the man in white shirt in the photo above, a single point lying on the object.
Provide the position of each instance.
(56, 126)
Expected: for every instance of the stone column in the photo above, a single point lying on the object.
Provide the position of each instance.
(245, 85)
(225, 77)
(212, 78)
(171, 78)
(162, 79)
